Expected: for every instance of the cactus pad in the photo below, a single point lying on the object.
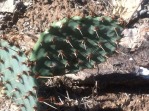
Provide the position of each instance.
(76, 43)
(15, 76)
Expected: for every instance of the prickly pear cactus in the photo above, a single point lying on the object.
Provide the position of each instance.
(15, 74)
(76, 43)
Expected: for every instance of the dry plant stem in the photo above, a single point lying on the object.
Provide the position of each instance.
(63, 96)
(49, 105)
(60, 100)
(67, 95)
(44, 77)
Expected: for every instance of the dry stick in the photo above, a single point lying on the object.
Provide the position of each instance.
(134, 12)
(45, 77)
(84, 103)
(68, 95)
(49, 105)
(60, 100)
(63, 95)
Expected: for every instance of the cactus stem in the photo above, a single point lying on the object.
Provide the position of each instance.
(84, 43)
(79, 28)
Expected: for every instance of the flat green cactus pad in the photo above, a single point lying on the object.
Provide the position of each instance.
(15, 75)
(76, 43)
